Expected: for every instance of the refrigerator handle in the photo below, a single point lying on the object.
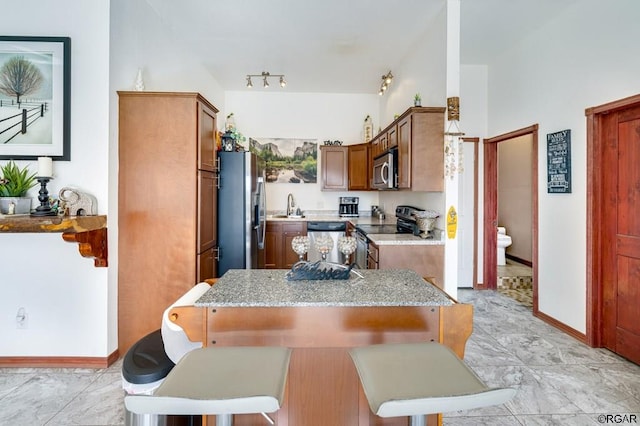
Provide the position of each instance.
(217, 178)
(216, 166)
(261, 217)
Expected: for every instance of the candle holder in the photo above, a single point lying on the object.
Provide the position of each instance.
(346, 245)
(44, 209)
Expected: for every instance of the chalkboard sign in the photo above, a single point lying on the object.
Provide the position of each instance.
(559, 162)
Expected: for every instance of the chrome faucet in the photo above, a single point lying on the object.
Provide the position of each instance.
(290, 204)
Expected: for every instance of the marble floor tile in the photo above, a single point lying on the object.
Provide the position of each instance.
(483, 349)
(9, 382)
(559, 420)
(39, 399)
(101, 402)
(585, 386)
(533, 395)
(480, 421)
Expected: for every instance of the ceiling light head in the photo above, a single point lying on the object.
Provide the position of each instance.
(386, 80)
(266, 75)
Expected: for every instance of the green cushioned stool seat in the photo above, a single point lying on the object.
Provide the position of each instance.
(220, 381)
(416, 379)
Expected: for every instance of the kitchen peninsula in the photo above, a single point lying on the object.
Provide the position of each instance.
(321, 320)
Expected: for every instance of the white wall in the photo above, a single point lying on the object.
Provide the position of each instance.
(320, 116)
(473, 122)
(65, 296)
(422, 71)
(586, 56)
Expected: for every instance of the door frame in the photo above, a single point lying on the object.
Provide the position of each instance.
(490, 255)
(476, 142)
(595, 197)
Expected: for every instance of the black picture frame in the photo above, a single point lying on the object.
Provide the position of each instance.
(559, 162)
(46, 109)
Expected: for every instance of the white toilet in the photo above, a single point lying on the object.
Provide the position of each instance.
(504, 241)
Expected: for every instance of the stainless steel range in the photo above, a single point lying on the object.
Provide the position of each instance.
(405, 224)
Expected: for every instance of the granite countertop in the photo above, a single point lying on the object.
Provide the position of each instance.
(407, 239)
(270, 288)
(379, 239)
(328, 216)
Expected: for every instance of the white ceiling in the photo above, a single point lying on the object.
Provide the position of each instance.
(337, 46)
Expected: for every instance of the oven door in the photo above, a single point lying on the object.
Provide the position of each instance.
(362, 246)
(384, 171)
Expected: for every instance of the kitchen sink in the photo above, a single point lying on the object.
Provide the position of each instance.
(284, 216)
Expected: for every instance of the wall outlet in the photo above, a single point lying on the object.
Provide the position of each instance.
(22, 319)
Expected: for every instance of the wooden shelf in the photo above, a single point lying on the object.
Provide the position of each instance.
(90, 232)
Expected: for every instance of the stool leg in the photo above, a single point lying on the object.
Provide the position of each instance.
(224, 419)
(418, 420)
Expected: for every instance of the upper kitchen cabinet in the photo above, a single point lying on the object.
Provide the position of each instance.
(335, 167)
(359, 166)
(419, 136)
(167, 201)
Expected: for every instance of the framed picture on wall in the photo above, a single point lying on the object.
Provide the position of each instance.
(35, 89)
(559, 162)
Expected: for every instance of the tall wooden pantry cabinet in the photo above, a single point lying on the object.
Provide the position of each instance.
(167, 202)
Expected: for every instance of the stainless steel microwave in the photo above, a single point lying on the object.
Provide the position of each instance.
(385, 174)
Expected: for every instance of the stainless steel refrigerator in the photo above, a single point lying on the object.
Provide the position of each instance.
(241, 210)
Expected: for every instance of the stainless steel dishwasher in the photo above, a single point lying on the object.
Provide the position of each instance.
(335, 230)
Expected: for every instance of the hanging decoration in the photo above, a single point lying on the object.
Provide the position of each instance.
(453, 139)
(368, 129)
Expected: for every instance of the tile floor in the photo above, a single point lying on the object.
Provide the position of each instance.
(516, 281)
(560, 381)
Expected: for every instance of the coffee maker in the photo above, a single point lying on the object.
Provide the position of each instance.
(348, 207)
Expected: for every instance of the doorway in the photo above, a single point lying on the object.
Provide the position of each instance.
(490, 209)
(613, 246)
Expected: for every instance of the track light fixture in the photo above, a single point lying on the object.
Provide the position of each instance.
(386, 80)
(265, 79)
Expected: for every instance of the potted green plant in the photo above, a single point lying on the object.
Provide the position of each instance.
(417, 100)
(14, 184)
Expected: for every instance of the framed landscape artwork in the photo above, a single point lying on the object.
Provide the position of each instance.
(288, 160)
(35, 89)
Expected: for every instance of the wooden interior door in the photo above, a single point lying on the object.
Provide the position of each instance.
(621, 233)
(490, 209)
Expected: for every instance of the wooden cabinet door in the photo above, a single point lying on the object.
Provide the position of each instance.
(427, 150)
(374, 148)
(404, 152)
(207, 265)
(359, 167)
(206, 138)
(289, 256)
(372, 256)
(207, 208)
(272, 245)
(392, 137)
(289, 231)
(334, 168)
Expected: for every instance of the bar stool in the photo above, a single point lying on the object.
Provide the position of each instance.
(220, 381)
(416, 379)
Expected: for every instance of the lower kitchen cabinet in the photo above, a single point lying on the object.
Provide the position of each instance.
(426, 260)
(278, 237)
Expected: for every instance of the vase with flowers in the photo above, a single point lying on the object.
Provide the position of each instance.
(14, 184)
